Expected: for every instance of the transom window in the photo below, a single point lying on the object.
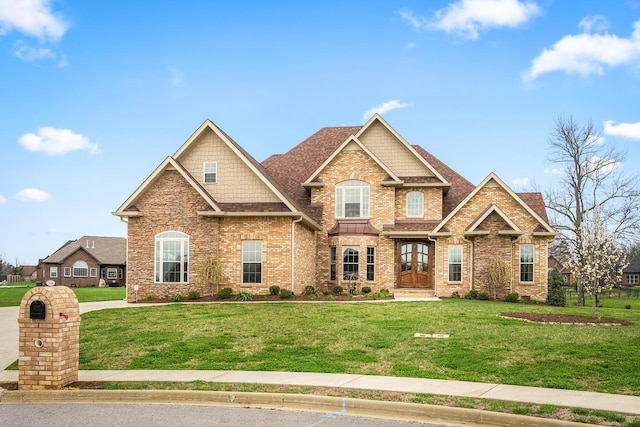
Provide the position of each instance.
(350, 261)
(415, 204)
(526, 263)
(352, 199)
(252, 261)
(210, 172)
(172, 257)
(455, 263)
(80, 269)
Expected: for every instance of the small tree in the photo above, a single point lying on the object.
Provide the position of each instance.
(555, 289)
(597, 258)
(498, 275)
(210, 273)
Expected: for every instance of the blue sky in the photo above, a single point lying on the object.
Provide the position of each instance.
(95, 94)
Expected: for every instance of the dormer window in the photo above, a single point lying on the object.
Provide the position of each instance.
(415, 204)
(352, 199)
(210, 172)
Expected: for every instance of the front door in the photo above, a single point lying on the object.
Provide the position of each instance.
(415, 264)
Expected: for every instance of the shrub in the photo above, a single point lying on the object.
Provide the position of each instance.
(366, 290)
(193, 295)
(555, 289)
(308, 290)
(285, 294)
(274, 290)
(176, 297)
(483, 296)
(455, 295)
(473, 294)
(149, 297)
(225, 293)
(313, 296)
(512, 297)
(337, 290)
(244, 296)
(382, 294)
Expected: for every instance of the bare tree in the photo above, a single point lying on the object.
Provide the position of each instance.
(591, 178)
(598, 259)
(498, 276)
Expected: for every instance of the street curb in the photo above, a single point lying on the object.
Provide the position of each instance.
(338, 405)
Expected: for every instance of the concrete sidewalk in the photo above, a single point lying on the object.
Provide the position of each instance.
(569, 398)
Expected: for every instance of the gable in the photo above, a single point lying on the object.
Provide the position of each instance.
(493, 192)
(236, 182)
(386, 146)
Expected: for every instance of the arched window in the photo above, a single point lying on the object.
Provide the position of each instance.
(352, 199)
(80, 269)
(415, 204)
(172, 257)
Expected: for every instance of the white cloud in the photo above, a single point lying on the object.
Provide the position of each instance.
(32, 18)
(383, 108)
(521, 182)
(52, 140)
(626, 130)
(554, 171)
(594, 23)
(2, 199)
(467, 17)
(600, 165)
(33, 195)
(587, 53)
(28, 53)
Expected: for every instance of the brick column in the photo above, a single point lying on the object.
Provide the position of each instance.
(49, 325)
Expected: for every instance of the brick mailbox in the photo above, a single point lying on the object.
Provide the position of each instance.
(49, 323)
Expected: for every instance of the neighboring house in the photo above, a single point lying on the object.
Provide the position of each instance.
(83, 262)
(348, 202)
(566, 272)
(29, 272)
(631, 273)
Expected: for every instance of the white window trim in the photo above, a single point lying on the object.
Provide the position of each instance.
(112, 273)
(532, 263)
(80, 265)
(373, 264)
(210, 168)
(364, 191)
(53, 271)
(420, 205)
(159, 240)
(246, 251)
(93, 272)
(66, 271)
(344, 250)
(450, 263)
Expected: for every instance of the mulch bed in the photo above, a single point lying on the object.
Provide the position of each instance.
(565, 319)
(262, 298)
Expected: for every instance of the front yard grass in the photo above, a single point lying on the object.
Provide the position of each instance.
(12, 294)
(372, 338)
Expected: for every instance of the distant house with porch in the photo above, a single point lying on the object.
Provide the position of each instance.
(83, 262)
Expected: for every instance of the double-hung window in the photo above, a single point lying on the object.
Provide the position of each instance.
(210, 172)
(252, 261)
(350, 262)
(415, 204)
(53, 271)
(371, 263)
(352, 199)
(332, 263)
(66, 271)
(455, 263)
(171, 257)
(526, 263)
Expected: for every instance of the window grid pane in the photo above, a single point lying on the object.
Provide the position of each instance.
(371, 263)
(332, 263)
(171, 258)
(455, 263)
(526, 263)
(352, 199)
(211, 172)
(350, 261)
(415, 204)
(252, 261)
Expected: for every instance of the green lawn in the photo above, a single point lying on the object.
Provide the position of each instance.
(371, 338)
(12, 295)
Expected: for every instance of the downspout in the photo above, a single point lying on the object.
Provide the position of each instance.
(470, 242)
(293, 249)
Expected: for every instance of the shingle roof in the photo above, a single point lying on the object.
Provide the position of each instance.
(106, 250)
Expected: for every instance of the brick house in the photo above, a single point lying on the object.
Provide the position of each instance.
(348, 203)
(83, 262)
(631, 273)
